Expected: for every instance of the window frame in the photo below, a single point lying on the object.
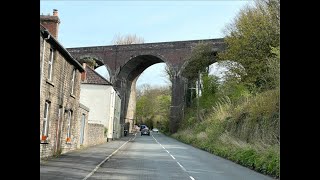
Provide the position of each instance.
(50, 64)
(69, 125)
(46, 119)
(73, 81)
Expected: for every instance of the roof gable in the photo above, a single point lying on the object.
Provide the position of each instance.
(92, 77)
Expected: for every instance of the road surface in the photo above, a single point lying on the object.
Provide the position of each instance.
(155, 157)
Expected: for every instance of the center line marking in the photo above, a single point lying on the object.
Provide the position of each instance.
(184, 169)
(181, 166)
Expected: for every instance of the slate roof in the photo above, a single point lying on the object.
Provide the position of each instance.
(94, 78)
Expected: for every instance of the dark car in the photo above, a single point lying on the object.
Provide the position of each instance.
(142, 127)
(145, 131)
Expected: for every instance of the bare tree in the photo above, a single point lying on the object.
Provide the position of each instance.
(169, 73)
(119, 39)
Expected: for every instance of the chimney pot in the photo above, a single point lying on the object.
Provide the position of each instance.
(55, 12)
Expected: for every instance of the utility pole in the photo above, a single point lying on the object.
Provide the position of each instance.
(198, 114)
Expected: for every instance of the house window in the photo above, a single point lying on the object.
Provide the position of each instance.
(50, 65)
(73, 80)
(69, 126)
(45, 120)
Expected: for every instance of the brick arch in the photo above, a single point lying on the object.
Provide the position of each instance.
(127, 62)
(173, 53)
(137, 64)
(188, 61)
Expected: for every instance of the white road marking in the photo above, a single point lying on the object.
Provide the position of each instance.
(184, 169)
(181, 166)
(205, 171)
(172, 156)
(97, 167)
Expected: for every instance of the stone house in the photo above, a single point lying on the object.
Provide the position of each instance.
(104, 102)
(60, 108)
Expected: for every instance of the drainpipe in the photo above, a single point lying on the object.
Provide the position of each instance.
(42, 63)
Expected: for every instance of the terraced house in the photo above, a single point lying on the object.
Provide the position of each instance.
(104, 102)
(61, 114)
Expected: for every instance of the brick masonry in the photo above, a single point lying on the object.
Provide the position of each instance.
(51, 23)
(58, 93)
(117, 57)
(126, 62)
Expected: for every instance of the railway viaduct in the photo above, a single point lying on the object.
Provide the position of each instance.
(126, 62)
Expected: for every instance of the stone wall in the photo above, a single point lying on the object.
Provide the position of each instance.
(95, 134)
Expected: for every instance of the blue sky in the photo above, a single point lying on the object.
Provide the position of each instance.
(95, 23)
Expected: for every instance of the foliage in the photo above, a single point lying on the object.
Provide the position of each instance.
(210, 85)
(257, 118)
(119, 39)
(233, 90)
(153, 106)
(241, 119)
(169, 72)
(105, 131)
(89, 61)
(250, 39)
(272, 76)
(201, 57)
(246, 131)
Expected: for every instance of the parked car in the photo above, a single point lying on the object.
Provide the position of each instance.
(155, 130)
(145, 131)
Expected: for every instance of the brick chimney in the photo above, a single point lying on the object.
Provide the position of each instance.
(84, 74)
(51, 22)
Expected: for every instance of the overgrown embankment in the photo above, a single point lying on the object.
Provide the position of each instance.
(246, 132)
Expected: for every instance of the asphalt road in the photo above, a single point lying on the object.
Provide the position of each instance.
(155, 157)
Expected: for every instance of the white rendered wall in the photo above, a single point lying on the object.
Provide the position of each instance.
(97, 99)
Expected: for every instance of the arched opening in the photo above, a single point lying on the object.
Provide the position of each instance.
(104, 71)
(154, 76)
(153, 98)
(127, 82)
(98, 65)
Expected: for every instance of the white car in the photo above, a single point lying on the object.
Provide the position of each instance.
(155, 130)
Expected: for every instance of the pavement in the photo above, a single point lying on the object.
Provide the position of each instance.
(80, 163)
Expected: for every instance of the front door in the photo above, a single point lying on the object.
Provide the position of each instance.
(83, 122)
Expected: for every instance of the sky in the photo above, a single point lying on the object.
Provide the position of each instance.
(96, 23)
